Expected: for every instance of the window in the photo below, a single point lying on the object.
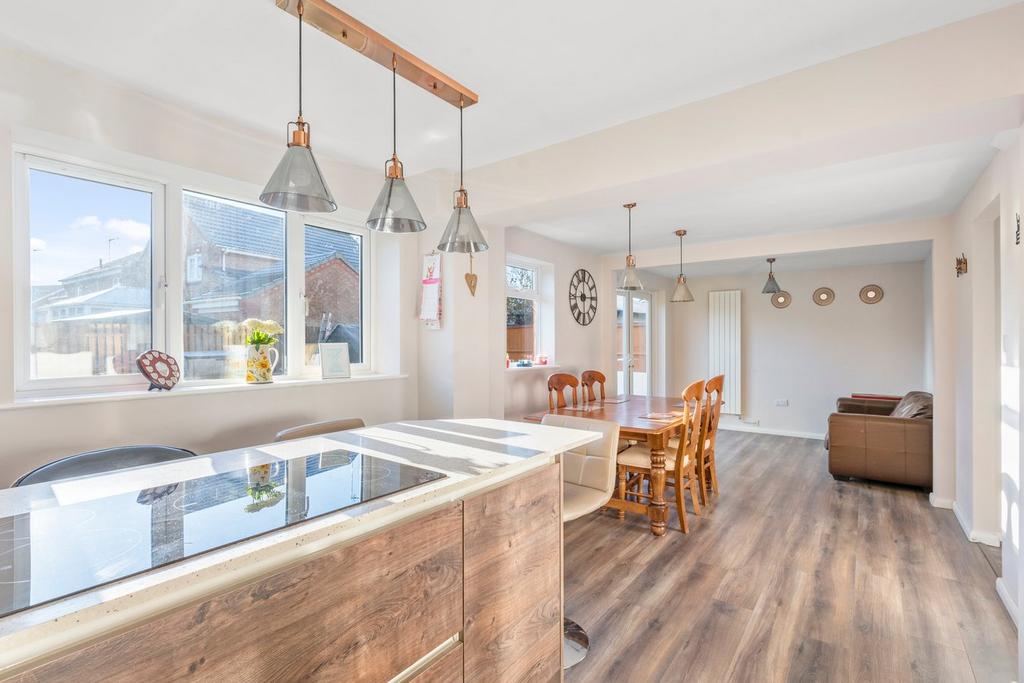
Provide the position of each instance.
(520, 278)
(529, 314)
(333, 291)
(249, 244)
(520, 328)
(194, 268)
(96, 286)
(89, 238)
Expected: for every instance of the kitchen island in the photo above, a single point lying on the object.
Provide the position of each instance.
(421, 550)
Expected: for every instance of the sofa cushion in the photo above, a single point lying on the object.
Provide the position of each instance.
(916, 404)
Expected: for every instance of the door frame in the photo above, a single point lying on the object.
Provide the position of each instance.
(626, 342)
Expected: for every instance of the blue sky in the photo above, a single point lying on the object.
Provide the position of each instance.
(73, 223)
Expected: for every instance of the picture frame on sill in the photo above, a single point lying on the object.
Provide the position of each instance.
(334, 360)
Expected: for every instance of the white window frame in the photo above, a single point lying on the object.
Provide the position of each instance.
(178, 340)
(26, 160)
(542, 296)
(297, 342)
(167, 183)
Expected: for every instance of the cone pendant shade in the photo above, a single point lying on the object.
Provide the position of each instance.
(630, 278)
(298, 185)
(395, 210)
(771, 286)
(682, 293)
(462, 235)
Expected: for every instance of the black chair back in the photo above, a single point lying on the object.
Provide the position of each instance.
(105, 460)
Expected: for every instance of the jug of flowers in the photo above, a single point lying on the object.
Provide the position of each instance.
(260, 338)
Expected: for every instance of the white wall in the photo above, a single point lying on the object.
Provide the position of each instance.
(577, 347)
(988, 381)
(46, 101)
(809, 354)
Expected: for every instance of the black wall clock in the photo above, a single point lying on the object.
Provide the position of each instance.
(583, 297)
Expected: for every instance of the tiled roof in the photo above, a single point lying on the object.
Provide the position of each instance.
(248, 283)
(131, 297)
(255, 230)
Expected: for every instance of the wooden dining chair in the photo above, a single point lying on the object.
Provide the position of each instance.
(557, 384)
(707, 471)
(634, 465)
(588, 380)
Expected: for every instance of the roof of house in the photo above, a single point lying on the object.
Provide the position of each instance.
(117, 296)
(108, 267)
(252, 229)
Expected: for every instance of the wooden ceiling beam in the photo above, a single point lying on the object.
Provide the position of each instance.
(349, 31)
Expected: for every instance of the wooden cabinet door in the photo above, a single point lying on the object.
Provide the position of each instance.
(513, 580)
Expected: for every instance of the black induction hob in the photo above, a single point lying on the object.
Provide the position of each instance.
(55, 551)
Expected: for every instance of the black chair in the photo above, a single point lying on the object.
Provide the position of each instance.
(104, 460)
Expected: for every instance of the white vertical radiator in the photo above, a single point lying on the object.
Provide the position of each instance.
(724, 336)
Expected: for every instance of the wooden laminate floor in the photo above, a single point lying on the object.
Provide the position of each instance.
(792, 576)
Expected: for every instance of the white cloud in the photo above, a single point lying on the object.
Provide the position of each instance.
(85, 222)
(37, 244)
(133, 230)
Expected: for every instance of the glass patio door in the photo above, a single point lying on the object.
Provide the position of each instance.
(633, 360)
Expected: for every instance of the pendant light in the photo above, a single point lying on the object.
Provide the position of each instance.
(395, 210)
(462, 234)
(630, 279)
(682, 293)
(297, 183)
(771, 286)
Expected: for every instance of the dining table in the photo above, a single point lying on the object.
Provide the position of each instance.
(650, 419)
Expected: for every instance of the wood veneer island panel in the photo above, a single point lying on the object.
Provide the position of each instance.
(513, 570)
(488, 568)
(364, 612)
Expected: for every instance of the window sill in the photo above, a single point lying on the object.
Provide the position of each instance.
(549, 366)
(186, 390)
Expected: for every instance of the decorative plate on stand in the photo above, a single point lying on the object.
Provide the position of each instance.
(781, 299)
(871, 294)
(161, 370)
(823, 296)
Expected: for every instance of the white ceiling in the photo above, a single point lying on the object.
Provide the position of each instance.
(928, 181)
(545, 71)
(906, 252)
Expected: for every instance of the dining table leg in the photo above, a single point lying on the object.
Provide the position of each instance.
(657, 510)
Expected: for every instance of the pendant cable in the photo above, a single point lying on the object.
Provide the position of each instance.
(461, 156)
(394, 106)
(299, 11)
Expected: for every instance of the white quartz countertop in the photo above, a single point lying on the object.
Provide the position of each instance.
(474, 454)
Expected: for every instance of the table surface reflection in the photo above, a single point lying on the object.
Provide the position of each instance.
(56, 551)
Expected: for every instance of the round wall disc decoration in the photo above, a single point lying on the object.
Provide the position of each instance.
(871, 294)
(161, 370)
(781, 299)
(823, 296)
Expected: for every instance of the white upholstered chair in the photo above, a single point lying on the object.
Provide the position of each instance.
(318, 428)
(588, 482)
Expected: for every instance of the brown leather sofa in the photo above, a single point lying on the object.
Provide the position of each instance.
(881, 439)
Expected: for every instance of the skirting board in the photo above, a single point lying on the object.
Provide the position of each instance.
(944, 503)
(1008, 601)
(985, 537)
(740, 427)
